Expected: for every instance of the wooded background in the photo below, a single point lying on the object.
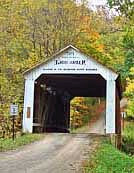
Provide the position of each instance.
(31, 31)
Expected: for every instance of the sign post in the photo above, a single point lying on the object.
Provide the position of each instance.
(13, 113)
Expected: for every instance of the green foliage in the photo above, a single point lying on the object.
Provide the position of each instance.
(31, 31)
(108, 159)
(130, 93)
(124, 7)
(114, 50)
(128, 138)
(9, 144)
(128, 134)
(128, 44)
(125, 39)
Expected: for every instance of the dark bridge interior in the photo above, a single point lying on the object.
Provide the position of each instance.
(52, 98)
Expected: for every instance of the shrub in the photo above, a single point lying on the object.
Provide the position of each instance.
(128, 138)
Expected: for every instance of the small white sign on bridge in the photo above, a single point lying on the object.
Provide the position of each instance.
(13, 110)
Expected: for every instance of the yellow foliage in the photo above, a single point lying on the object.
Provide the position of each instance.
(130, 83)
(130, 87)
(130, 93)
(100, 47)
(78, 111)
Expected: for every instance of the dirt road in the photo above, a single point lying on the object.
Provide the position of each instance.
(98, 126)
(56, 153)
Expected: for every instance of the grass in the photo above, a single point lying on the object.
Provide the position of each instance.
(9, 144)
(128, 133)
(108, 159)
(128, 137)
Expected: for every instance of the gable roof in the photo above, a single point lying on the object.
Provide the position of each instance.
(118, 80)
(60, 52)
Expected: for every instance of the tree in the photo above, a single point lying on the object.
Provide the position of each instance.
(130, 93)
(124, 7)
(79, 112)
(128, 43)
(31, 31)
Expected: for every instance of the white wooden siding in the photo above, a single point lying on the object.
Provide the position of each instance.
(28, 102)
(110, 106)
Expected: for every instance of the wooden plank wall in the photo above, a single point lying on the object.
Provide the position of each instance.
(118, 121)
(118, 113)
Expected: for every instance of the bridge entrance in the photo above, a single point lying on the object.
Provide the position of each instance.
(51, 85)
(53, 94)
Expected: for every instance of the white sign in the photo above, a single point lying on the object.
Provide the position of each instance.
(13, 110)
(123, 114)
(71, 61)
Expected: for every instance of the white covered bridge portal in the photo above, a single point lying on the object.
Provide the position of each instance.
(51, 85)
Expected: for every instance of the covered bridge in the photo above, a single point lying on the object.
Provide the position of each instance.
(51, 85)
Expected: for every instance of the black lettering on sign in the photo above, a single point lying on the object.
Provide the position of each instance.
(48, 69)
(60, 62)
(83, 62)
(91, 69)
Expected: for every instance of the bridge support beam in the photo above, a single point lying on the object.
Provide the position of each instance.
(110, 106)
(28, 106)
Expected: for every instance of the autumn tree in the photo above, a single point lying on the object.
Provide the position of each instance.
(79, 112)
(31, 31)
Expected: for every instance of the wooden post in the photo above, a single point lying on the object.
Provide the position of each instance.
(68, 113)
(13, 128)
(118, 121)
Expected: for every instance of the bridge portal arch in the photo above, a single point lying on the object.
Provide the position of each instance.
(67, 74)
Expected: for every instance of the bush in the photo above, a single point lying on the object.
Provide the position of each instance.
(6, 126)
(128, 138)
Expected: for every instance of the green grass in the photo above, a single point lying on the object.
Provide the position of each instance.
(108, 159)
(9, 144)
(128, 134)
(128, 138)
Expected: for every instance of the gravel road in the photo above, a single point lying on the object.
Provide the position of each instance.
(56, 153)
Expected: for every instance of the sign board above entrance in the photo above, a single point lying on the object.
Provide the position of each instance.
(70, 61)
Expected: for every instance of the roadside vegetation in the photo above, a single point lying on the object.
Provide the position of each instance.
(128, 138)
(107, 159)
(31, 31)
(9, 144)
